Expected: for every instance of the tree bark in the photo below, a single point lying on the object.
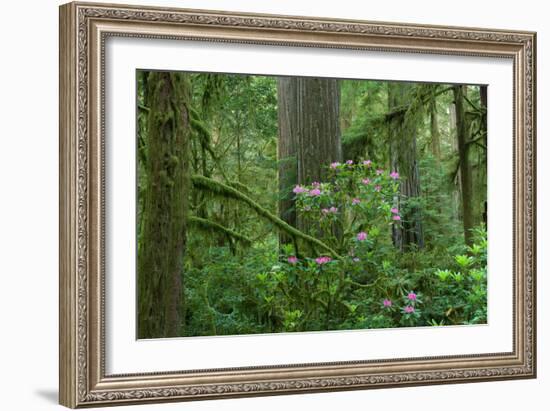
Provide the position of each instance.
(483, 96)
(434, 129)
(483, 100)
(409, 233)
(462, 134)
(163, 239)
(319, 139)
(287, 151)
(309, 136)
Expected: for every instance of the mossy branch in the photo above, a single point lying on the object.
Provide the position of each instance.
(243, 188)
(205, 139)
(419, 99)
(209, 225)
(216, 187)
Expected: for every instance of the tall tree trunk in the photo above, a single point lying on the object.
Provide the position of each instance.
(319, 139)
(483, 96)
(457, 193)
(434, 129)
(462, 134)
(309, 135)
(409, 233)
(287, 150)
(483, 100)
(161, 251)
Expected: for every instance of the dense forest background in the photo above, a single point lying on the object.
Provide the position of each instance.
(278, 204)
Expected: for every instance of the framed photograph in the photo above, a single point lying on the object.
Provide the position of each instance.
(260, 204)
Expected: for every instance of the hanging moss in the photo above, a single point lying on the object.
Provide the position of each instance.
(209, 225)
(223, 190)
(419, 100)
(360, 139)
(200, 128)
(204, 137)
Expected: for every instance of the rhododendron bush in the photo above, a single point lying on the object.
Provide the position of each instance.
(363, 288)
(366, 284)
(357, 200)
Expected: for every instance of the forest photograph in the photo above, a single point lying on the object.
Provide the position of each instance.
(271, 204)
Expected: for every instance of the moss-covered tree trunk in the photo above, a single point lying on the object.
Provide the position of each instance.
(163, 238)
(309, 136)
(463, 137)
(409, 233)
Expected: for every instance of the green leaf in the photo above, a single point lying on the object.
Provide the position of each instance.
(464, 260)
(443, 274)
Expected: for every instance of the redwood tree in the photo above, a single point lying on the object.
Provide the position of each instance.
(286, 150)
(434, 127)
(309, 135)
(462, 135)
(402, 130)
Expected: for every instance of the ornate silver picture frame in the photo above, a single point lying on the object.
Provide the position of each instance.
(84, 30)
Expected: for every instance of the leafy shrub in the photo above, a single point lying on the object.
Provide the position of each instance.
(368, 285)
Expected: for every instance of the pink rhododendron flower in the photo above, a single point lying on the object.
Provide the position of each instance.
(387, 303)
(412, 296)
(379, 171)
(396, 217)
(378, 188)
(355, 201)
(323, 260)
(365, 181)
(324, 211)
(394, 175)
(292, 259)
(299, 189)
(367, 163)
(316, 184)
(334, 165)
(394, 210)
(333, 210)
(362, 236)
(409, 309)
(315, 192)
